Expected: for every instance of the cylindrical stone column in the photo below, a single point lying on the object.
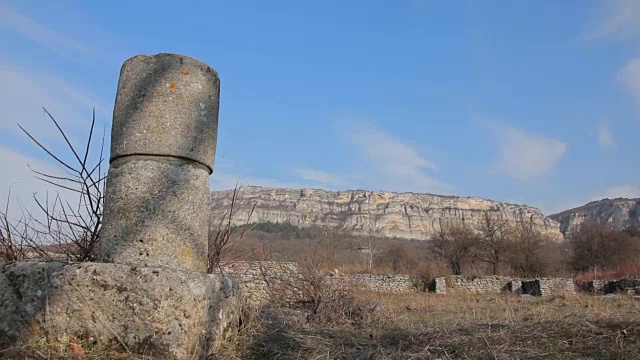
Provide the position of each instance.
(163, 144)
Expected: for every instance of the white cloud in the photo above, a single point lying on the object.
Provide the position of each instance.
(18, 179)
(624, 191)
(25, 92)
(42, 35)
(394, 165)
(226, 182)
(526, 156)
(630, 78)
(605, 138)
(319, 176)
(617, 18)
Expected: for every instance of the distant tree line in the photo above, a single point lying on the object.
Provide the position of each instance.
(494, 246)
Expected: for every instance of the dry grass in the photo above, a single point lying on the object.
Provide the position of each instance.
(430, 326)
(67, 350)
(422, 326)
(629, 270)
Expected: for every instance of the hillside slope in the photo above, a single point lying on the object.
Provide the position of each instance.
(621, 212)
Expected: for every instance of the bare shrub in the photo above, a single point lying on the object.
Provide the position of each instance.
(70, 227)
(398, 257)
(326, 299)
(530, 255)
(15, 236)
(600, 246)
(225, 234)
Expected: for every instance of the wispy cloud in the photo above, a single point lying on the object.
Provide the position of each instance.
(25, 92)
(21, 182)
(624, 191)
(605, 138)
(321, 177)
(617, 18)
(229, 181)
(42, 35)
(630, 78)
(526, 156)
(394, 164)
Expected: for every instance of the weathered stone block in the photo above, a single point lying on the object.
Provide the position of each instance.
(515, 286)
(163, 144)
(169, 314)
(438, 285)
(156, 215)
(167, 105)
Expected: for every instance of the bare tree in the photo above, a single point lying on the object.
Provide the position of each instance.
(370, 244)
(600, 245)
(454, 245)
(529, 254)
(494, 242)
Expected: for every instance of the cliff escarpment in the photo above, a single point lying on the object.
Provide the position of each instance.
(404, 215)
(622, 213)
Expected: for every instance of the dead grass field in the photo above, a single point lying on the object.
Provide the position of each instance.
(422, 326)
(463, 326)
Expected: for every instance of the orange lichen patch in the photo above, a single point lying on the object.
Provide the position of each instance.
(146, 107)
(158, 92)
(172, 92)
(185, 73)
(172, 85)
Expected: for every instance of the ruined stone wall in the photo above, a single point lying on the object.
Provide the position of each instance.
(387, 283)
(255, 278)
(592, 287)
(547, 287)
(484, 284)
(604, 287)
(631, 286)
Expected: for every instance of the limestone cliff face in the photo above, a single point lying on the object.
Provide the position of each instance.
(622, 213)
(405, 215)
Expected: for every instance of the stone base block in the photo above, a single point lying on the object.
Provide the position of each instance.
(165, 313)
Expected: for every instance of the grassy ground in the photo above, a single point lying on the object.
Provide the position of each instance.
(422, 326)
(429, 326)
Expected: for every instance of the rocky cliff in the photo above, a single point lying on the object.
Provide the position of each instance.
(621, 212)
(405, 215)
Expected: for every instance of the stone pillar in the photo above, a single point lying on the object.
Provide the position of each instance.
(163, 143)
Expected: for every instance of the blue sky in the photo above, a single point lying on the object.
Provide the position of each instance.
(534, 102)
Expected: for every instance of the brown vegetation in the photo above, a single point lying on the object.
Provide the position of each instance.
(429, 326)
(600, 246)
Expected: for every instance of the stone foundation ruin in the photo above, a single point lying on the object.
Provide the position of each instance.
(256, 277)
